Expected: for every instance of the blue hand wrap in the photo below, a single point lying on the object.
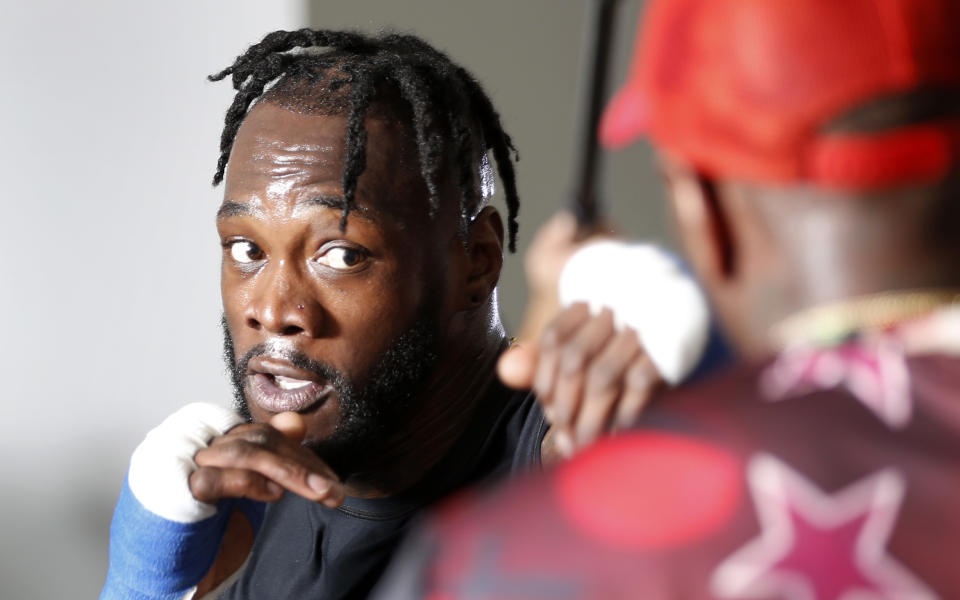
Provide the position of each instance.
(152, 558)
(162, 539)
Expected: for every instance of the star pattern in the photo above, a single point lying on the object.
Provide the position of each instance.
(819, 546)
(874, 372)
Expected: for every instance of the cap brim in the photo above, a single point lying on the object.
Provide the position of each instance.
(625, 120)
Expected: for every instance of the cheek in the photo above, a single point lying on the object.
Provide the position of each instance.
(373, 308)
(232, 291)
(235, 295)
(367, 318)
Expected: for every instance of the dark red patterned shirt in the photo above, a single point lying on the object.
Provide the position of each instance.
(823, 474)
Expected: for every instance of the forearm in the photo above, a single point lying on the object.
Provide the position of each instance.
(233, 554)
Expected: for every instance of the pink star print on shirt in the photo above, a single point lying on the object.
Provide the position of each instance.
(874, 371)
(818, 546)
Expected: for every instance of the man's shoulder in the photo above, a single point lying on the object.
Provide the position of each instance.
(516, 432)
(718, 486)
(819, 392)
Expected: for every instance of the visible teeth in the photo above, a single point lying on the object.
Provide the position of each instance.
(289, 383)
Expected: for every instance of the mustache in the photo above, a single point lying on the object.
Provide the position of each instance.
(298, 359)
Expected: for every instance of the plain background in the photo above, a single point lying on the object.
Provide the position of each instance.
(109, 287)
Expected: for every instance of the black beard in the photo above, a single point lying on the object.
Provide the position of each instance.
(372, 411)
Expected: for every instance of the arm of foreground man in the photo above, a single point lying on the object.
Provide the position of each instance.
(188, 481)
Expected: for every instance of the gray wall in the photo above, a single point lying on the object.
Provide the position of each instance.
(527, 55)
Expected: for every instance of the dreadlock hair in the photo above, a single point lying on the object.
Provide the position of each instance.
(356, 75)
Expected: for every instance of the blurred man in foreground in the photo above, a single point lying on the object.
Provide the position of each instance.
(810, 149)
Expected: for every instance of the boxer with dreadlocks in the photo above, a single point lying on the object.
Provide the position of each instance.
(358, 281)
(443, 98)
(361, 329)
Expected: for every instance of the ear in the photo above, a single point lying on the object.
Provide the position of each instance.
(484, 257)
(703, 225)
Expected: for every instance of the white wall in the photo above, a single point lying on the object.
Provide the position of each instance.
(109, 292)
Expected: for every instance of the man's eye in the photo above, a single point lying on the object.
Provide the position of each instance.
(342, 258)
(245, 252)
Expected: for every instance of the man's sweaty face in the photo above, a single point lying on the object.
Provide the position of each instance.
(307, 303)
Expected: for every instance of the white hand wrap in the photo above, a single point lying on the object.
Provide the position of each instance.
(161, 465)
(649, 291)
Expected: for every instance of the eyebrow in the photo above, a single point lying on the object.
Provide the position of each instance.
(236, 209)
(240, 209)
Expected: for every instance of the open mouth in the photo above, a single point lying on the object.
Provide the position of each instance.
(276, 386)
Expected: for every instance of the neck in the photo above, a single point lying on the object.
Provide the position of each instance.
(465, 371)
(829, 247)
(868, 273)
(835, 322)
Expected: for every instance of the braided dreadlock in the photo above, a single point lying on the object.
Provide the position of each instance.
(450, 113)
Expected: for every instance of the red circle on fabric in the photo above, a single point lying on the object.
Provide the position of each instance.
(649, 490)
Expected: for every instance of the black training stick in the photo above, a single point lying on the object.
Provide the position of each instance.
(585, 203)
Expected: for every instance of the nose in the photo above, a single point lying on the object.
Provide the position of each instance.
(282, 303)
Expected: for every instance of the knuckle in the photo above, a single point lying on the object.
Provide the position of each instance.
(290, 471)
(573, 359)
(239, 429)
(639, 377)
(602, 377)
(603, 321)
(244, 479)
(201, 455)
(235, 450)
(630, 338)
(205, 484)
(586, 435)
(549, 339)
(260, 436)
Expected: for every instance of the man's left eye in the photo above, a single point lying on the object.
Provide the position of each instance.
(342, 258)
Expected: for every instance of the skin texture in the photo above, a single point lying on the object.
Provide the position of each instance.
(766, 252)
(590, 378)
(292, 290)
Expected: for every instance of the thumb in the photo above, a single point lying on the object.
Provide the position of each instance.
(290, 424)
(517, 366)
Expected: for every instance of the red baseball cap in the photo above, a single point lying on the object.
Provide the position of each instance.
(743, 88)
